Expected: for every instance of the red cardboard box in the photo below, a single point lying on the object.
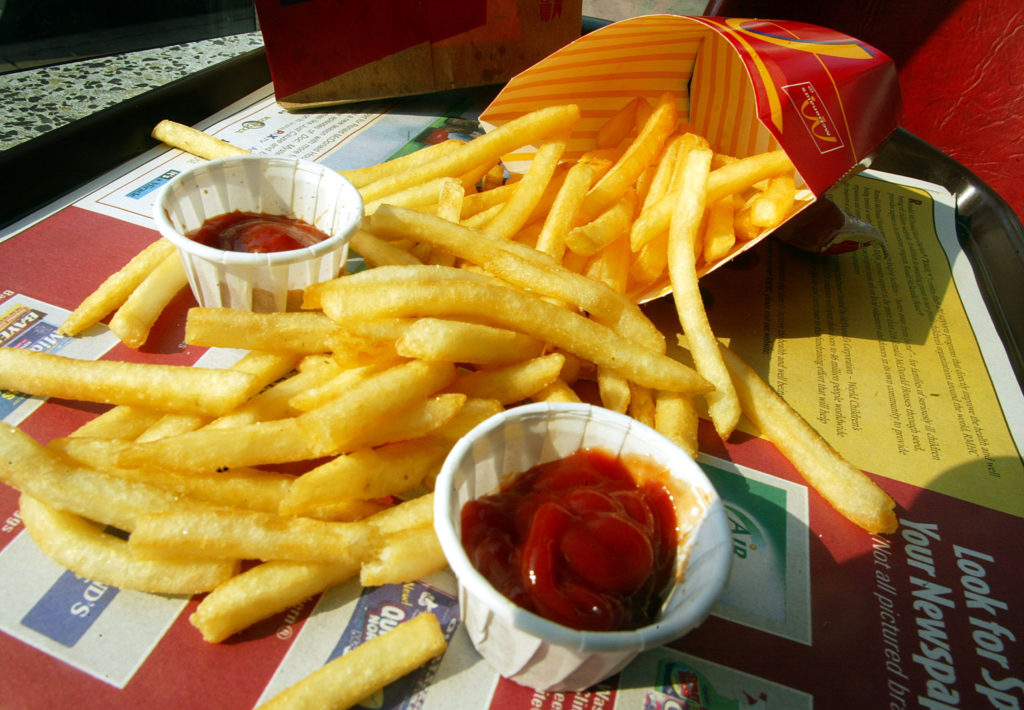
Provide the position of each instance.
(324, 52)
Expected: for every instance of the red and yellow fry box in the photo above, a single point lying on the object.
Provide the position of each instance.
(747, 85)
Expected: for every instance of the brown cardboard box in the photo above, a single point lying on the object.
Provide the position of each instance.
(325, 52)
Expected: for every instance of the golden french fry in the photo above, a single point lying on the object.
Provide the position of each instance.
(770, 207)
(84, 548)
(557, 391)
(248, 488)
(368, 667)
(366, 474)
(723, 406)
(564, 207)
(449, 202)
(476, 203)
(614, 390)
(222, 448)
(403, 556)
(379, 252)
(135, 317)
(733, 177)
(619, 125)
(96, 495)
(420, 419)
(194, 141)
(590, 238)
(469, 415)
(265, 367)
(845, 487)
(516, 211)
(230, 533)
(611, 265)
(371, 173)
(675, 416)
(275, 401)
(719, 234)
(459, 341)
(511, 383)
(640, 153)
(116, 288)
(262, 591)
(335, 424)
(120, 422)
(296, 332)
(523, 266)
(485, 149)
(330, 388)
(641, 404)
(179, 388)
(512, 308)
(416, 196)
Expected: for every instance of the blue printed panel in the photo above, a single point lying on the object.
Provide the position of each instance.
(69, 608)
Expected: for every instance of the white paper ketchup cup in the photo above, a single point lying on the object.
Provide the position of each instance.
(523, 646)
(289, 187)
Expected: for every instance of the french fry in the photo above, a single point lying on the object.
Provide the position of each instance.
(120, 422)
(85, 549)
(512, 308)
(295, 332)
(366, 474)
(564, 207)
(403, 556)
(116, 288)
(194, 141)
(732, 177)
(557, 391)
(364, 176)
(420, 419)
(368, 667)
(459, 341)
(770, 207)
(522, 266)
(845, 487)
(723, 406)
(590, 238)
(335, 424)
(619, 125)
(641, 404)
(473, 412)
(46, 475)
(516, 211)
(640, 153)
(485, 149)
(379, 252)
(675, 416)
(178, 388)
(135, 317)
(262, 591)
(614, 390)
(719, 233)
(229, 533)
(511, 383)
(209, 449)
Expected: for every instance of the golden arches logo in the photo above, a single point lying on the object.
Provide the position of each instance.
(851, 49)
(815, 123)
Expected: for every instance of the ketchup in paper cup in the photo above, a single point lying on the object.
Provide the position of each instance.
(524, 646)
(298, 190)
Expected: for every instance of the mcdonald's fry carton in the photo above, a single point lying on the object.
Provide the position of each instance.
(748, 86)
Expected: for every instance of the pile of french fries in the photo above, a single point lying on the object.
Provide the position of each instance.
(482, 294)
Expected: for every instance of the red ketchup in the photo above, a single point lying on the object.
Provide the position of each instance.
(579, 541)
(256, 233)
